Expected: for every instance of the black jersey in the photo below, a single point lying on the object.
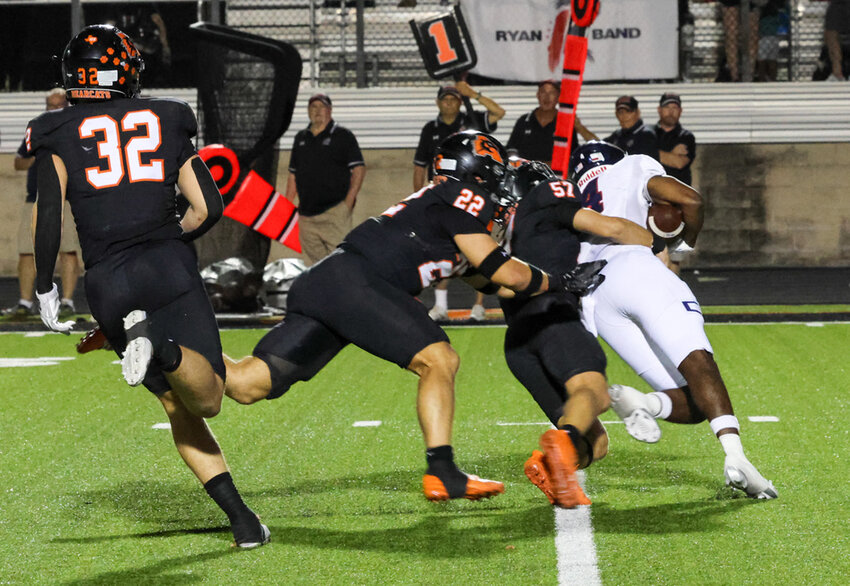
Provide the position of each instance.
(123, 158)
(543, 235)
(412, 245)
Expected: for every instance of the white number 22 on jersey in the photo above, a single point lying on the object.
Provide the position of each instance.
(109, 148)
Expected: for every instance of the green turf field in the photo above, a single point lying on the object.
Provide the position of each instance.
(92, 494)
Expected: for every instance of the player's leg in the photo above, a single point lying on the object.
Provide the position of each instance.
(440, 310)
(558, 361)
(395, 326)
(199, 449)
(478, 313)
(668, 315)
(69, 270)
(26, 264)
(712, 398)
(294, 350)
(26, 279)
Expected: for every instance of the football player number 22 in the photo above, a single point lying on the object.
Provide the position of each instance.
(130, 160)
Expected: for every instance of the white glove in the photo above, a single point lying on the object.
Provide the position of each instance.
(680, 246)
(48, 308)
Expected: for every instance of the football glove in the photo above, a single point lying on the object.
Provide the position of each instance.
(48, 309)
(581, 280)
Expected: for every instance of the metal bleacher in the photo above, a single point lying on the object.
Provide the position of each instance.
(389, 118)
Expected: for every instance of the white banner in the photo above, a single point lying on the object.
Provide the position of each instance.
(631, 39)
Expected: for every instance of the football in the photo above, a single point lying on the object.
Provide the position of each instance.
(665, 220)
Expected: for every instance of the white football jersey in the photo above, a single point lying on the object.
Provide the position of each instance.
(620, 192)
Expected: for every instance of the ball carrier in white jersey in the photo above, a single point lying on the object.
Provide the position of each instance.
(649, 316)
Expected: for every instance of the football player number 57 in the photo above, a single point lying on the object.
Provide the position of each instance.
(130, 160)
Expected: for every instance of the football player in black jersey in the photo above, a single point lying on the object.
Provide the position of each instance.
(117, 158)
(546, 346)
(364, 293)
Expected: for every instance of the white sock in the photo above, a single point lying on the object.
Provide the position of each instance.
(441, 298)
(731, 443)
(661, 405)
(25, 302)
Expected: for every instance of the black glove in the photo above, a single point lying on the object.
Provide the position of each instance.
(581, 280)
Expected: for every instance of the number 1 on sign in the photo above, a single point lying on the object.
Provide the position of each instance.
(445, 53)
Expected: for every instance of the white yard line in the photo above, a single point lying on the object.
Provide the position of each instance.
(577, 565)
(366, 424)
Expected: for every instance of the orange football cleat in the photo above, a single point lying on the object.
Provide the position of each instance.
(476, 488)
(535, 469)
(561, 463)
(93, 340)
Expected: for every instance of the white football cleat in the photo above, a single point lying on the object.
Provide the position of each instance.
(741, 474)
(478, 313)
(438, 313)
(630, 405)
(139, 350)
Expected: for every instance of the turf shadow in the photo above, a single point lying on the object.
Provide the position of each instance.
(166, 571)
(702, 516)
(437, 536)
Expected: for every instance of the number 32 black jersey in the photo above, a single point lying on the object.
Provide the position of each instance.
(411, 244)
(123, 158)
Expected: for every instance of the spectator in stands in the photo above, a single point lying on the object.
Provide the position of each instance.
(633, 136)
(533, 136)
(676, 146)
(732, 28)
(836, 35)
(772, 24)
(68, 262)
(677, 150)
(326, 170)
(449, 121)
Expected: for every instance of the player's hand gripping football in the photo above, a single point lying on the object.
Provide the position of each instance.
(48, 308)
(583, 279)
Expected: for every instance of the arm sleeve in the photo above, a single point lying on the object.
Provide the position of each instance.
(212, 198)
(190, 128)
(48, 228)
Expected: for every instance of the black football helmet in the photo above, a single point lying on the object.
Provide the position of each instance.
(591, 155)
(474, 157)
(101, 63)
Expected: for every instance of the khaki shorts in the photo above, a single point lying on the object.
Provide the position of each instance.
(321, 234)
(69, 242)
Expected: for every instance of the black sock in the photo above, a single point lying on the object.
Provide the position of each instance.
(168, 355)
(442, 465)
(575, 435)
(243, 521)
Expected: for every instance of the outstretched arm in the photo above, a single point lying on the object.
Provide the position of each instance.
(618, 229)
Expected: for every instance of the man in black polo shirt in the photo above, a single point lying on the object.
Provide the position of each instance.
(533, 136)
(676, 146)
(633, 136)
(326, 170)
(449, 121)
